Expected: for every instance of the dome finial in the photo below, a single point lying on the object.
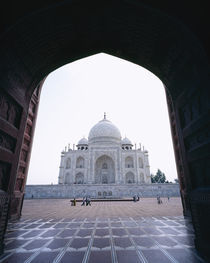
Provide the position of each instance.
(104, 115)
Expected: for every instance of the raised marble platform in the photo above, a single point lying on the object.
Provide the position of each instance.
(101, 191)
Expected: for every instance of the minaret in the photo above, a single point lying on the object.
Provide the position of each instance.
(104, 115)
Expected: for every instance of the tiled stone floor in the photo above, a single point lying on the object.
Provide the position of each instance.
(101, 240)
(116, 239)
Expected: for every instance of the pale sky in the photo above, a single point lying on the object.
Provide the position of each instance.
(75, 97)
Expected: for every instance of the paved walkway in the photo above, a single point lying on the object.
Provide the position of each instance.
(61, 208)
(123, 233)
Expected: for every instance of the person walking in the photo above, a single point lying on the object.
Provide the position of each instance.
(83, 201)
(88, 201)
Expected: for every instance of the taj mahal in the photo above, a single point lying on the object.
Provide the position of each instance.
(104, 159)
(103, 166)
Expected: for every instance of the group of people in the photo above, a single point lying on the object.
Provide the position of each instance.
(85, 201)
(136, 198)
(159, 201)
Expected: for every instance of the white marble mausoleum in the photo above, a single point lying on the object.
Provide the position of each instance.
(104, 159)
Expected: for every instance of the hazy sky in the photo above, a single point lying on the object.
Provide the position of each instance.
(75, 97)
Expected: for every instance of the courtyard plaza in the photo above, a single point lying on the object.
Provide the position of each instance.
(51, 230)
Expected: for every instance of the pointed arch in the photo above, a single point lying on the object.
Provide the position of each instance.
(129, 178)
(68, 163)
(67, 178)
(141, 164)
(129, 162)
(80, 163)
(104, 170)
(79, 178)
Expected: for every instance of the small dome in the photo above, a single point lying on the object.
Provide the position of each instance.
(104, 129)
(126, 141)
(83, 141)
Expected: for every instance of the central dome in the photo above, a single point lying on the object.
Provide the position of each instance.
(104, 130)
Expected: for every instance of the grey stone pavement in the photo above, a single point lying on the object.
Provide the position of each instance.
(126, 232)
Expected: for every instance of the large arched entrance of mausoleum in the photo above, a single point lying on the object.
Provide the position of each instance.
(104, 170)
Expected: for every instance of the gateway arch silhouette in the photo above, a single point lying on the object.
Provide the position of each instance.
(169, 39)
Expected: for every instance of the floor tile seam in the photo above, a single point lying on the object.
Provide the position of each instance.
(62, 229)
(164, 224)
(167, 233)
(35, 228)
(170, 257)
(10, 254)
(22, 236)
(27, 231)
(183, 245)
(47, 243)
(187, 250)
(41, 224)
(45, 231)
(113, 251)
(14, 225)
(142, 229)
(22, 246)
(173, 228)
(196, 255)
(138, 251)
(88, 250)
(63, 250)
(39, 235)
(36, 253)
(37, 238)
(29, 241)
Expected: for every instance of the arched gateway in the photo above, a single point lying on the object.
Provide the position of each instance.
(170, 40)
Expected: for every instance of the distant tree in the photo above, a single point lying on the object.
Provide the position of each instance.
(176, 181)
(159, 177)
(167, 182)
(152, 178)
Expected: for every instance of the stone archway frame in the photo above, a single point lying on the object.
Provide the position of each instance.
(79, 178)
(47, 37)
(129, 157)
(80, 157)
(104, 176)
(67, 179)
(131, 177)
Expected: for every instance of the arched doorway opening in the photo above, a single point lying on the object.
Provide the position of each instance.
(79, 178)
(144, 34)
(129, 162)
(129, 177)
(104, 170)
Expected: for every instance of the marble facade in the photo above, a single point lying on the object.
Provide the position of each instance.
(105, 158)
